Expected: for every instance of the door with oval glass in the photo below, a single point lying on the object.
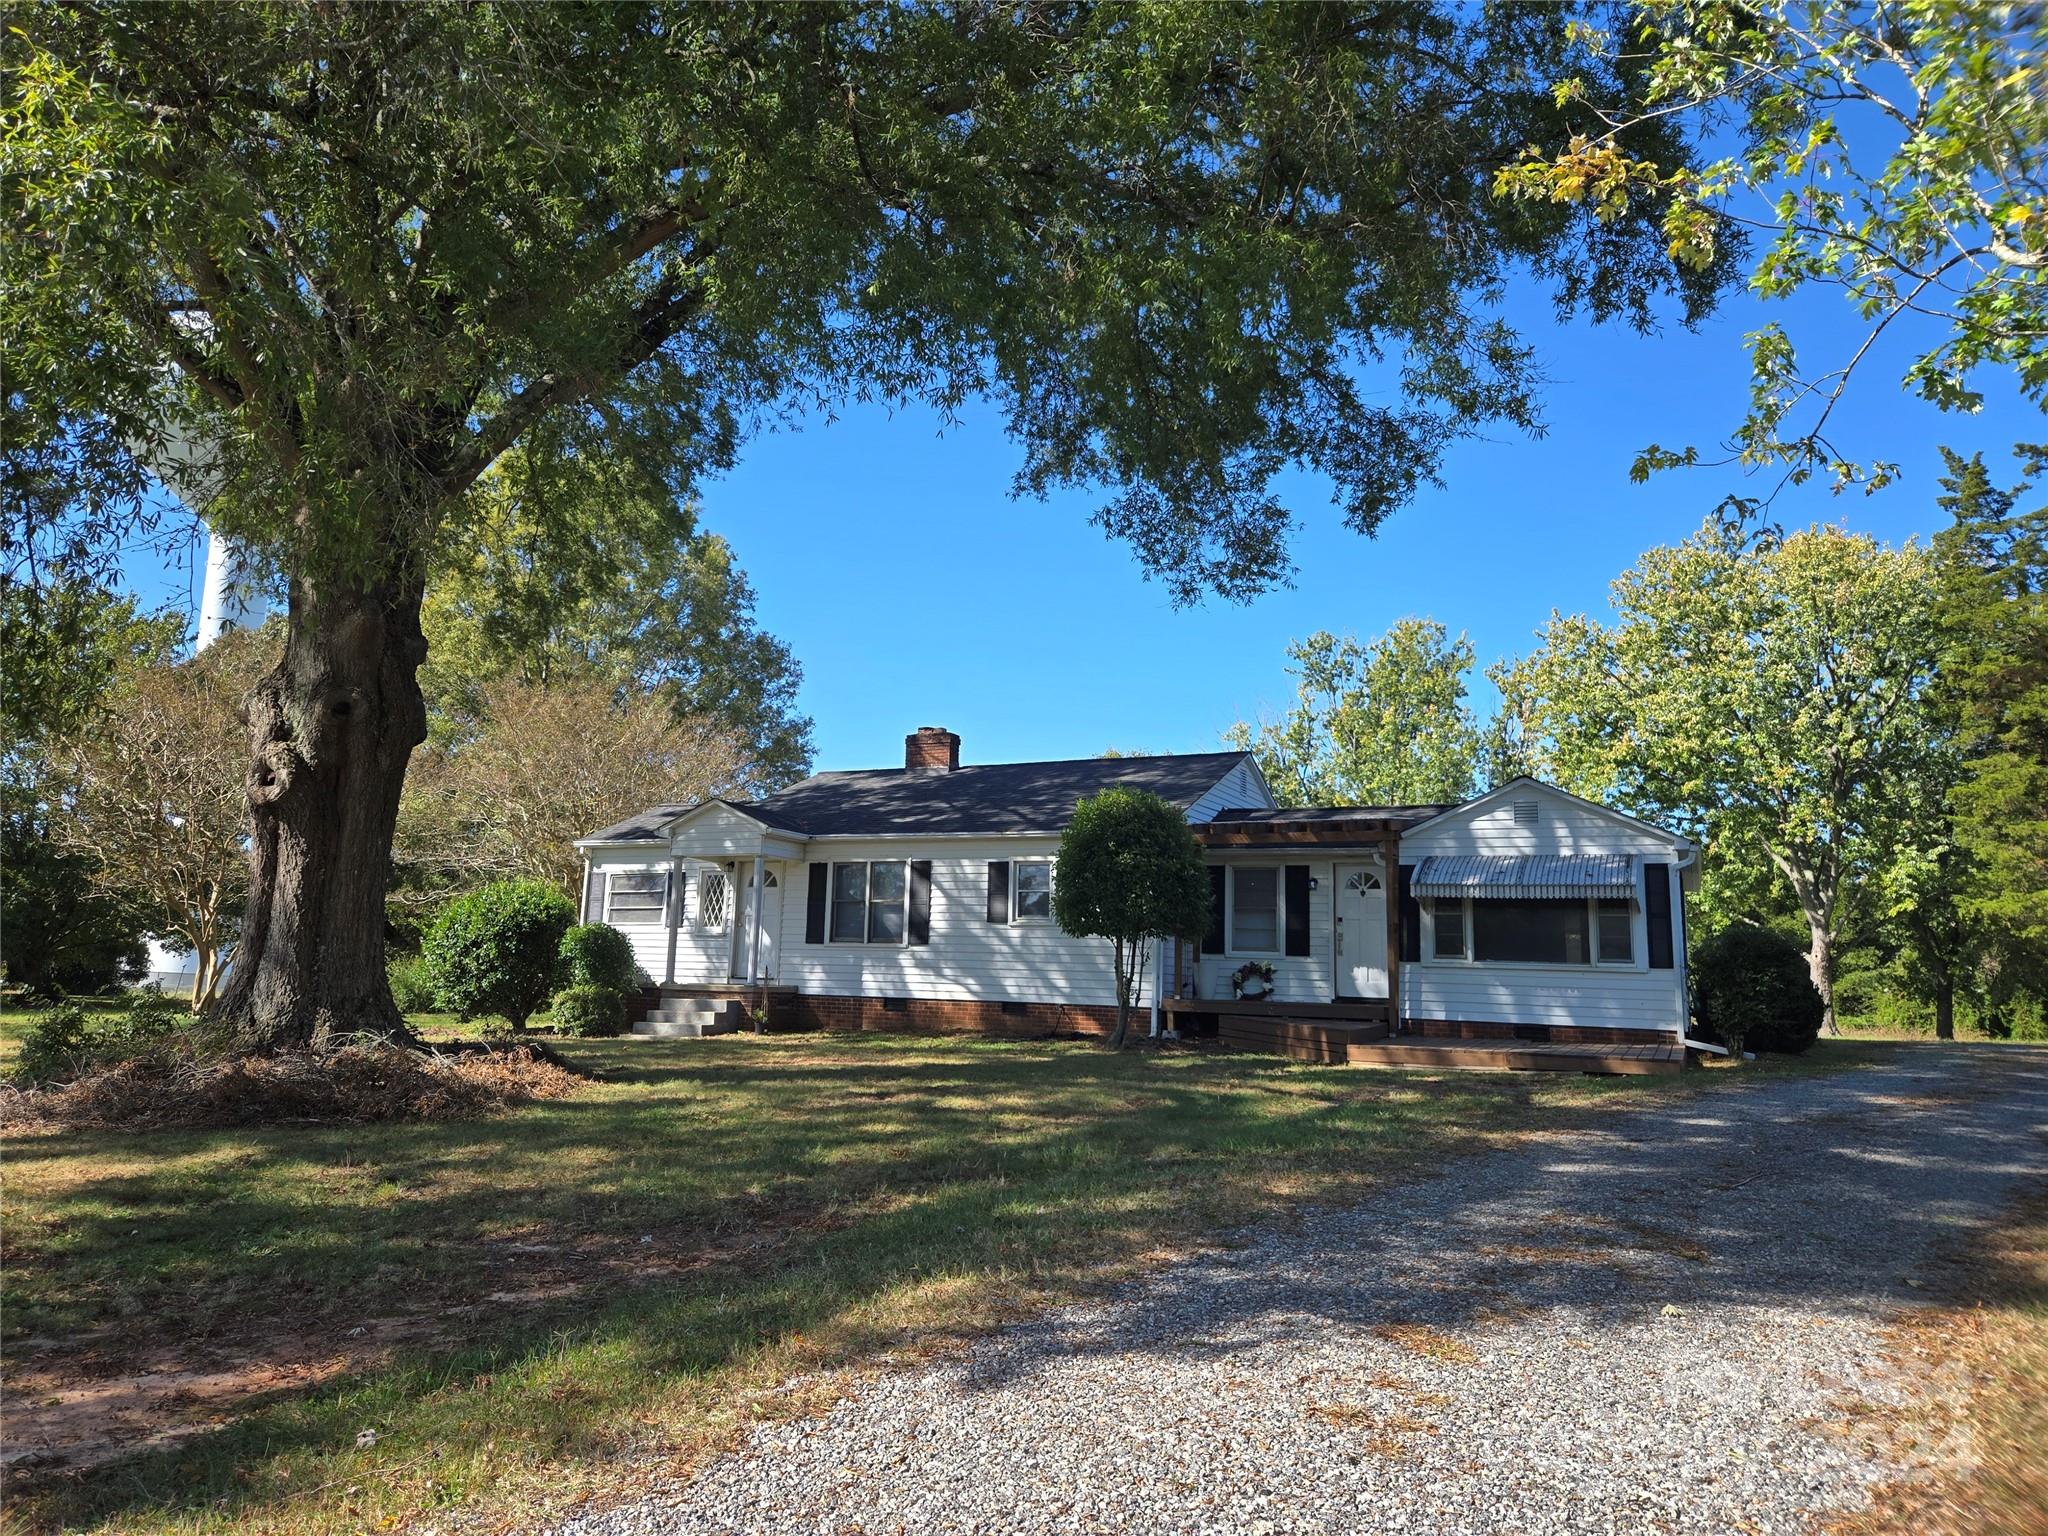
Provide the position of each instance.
(1361, 931)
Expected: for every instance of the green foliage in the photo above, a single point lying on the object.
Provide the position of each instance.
(1751, 991)
(1189, 227)
(1991, 567)
(594, 1012)
(62, 931)
(1764, 691)
(412, 983)
(1896, 153)
(608, 576)
(497, 950)
(1129, 870)
(56, 1047)
(1383, 723)
(598, 955)
(67, 1042)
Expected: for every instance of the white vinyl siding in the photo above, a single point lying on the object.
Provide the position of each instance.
(1626, 995)
(967, 956)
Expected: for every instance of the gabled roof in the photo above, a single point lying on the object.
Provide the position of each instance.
(1400, 815)
(965, 802)
(1524, 782)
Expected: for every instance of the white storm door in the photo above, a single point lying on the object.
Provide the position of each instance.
(771, 926)
(1361, 932)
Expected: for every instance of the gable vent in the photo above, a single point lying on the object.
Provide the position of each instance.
(1525, 813)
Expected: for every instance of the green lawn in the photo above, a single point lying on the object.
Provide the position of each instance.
(631, 1269)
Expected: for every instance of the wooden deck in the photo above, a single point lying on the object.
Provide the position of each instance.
(1517, 1055)
(1361, 1034)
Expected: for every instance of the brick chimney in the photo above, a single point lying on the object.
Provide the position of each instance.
(931, 746)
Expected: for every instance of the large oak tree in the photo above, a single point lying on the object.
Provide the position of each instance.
(345, 256)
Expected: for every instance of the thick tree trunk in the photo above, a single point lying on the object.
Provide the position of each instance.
(1944, 1009)
(331, 731)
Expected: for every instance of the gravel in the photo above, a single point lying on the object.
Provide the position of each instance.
(1651, 1327)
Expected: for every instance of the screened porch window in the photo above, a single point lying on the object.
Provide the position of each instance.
(1531, 932)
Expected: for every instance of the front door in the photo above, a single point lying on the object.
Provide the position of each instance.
(1361, 932)
(771, 926)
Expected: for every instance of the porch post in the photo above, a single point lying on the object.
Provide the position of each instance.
(675, 915)
(1390, 856)
(754, 927)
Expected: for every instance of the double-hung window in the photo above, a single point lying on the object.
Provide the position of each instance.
(1614, 933)
(1255, 910)
(868, 902)
(636, 896)
(1031, 890)
(1448, 913)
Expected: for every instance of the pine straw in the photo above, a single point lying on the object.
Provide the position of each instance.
(356, 1082)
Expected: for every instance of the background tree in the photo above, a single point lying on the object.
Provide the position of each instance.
(1992, 571)
(62, 927)
(1129, 871)
(609, 577)
(1383, 723)
(1767, 695)
(156, 801)
(507, 791)
(1895, 151)
(380, 246)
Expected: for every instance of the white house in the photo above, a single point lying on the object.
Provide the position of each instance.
(920, 896)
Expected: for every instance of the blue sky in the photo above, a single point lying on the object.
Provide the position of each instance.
(915, 591)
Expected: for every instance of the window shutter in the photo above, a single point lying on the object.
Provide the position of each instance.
(671, 889)
(814, 904)
(593, 896)
(999, 890)
(1297, 909)
(920, 918)
(1411, 917)
(1657, 913)
(1212, 941)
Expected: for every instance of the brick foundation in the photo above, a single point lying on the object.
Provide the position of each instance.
(1559, 1034)
(948, 1016)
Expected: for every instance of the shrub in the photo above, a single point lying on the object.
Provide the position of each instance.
(497, 949)
(1752, 990)
(598, 955)
(57, 1047)
(596, 1012)
(412, 989)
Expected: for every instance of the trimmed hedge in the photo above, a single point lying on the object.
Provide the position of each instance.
(1752, 990)
(498, 948)
(598, 955)
(595, 1012)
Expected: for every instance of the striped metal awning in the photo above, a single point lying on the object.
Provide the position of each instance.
(1539, 878)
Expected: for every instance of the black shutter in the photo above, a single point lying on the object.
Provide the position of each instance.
(1212, 941)
(920, 901)
(593, 896)
(1297, 909)
(999, 890)
(671, 887)
(814, 904)
(1657, 913)
(1411, 917)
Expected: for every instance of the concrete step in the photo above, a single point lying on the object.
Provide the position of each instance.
(692, 1018)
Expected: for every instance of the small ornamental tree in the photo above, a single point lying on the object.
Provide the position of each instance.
(1129, 870)
(498, 949)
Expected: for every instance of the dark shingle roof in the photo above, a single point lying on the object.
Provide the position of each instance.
(1401, 815)
(979, 798)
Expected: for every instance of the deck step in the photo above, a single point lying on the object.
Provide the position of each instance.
(1518, 1056)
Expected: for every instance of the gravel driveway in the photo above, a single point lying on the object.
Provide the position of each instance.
(1646, 1329)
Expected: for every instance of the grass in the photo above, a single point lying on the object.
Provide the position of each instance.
(1988, 1339)
(529, 1309)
